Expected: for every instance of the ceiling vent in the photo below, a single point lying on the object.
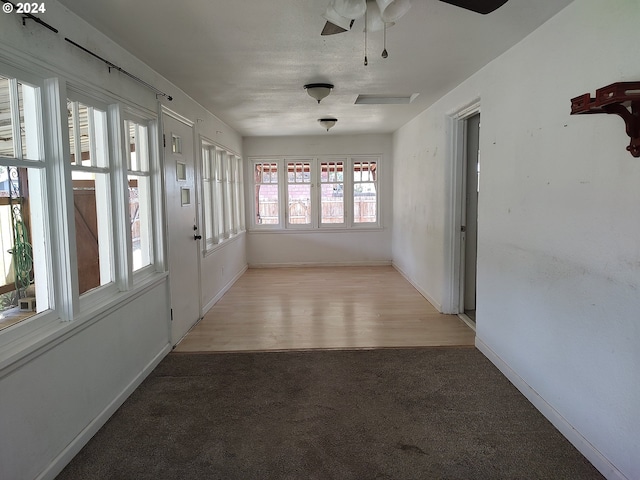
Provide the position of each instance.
(386, 99)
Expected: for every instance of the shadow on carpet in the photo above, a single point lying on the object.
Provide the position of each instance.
(424, 413)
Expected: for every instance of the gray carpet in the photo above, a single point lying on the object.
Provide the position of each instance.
(425, 413)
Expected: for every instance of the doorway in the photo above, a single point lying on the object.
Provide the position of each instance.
(469, 224)
(182, 226)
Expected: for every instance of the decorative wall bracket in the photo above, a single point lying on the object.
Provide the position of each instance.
(622, 99)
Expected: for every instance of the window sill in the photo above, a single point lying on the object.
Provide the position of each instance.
(211, 249)
(37, 341)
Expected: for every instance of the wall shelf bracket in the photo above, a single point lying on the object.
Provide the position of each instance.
(622, 99)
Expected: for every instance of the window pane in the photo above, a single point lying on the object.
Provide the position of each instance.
(140, 212)
(266, 195)
(6, 125)
(23, 281)
(364, 203)
(299, 204)
(19, 120)
(93, 230)
(331, 192)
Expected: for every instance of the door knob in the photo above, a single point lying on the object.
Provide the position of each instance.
(197, 237)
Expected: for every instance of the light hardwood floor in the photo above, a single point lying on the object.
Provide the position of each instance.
(323, 307)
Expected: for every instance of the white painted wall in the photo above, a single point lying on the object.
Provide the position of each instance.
(315, 248)
(558, 249)
(56, 398)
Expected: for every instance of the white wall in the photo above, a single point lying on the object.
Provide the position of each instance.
(53, 400)
(558, 249)
(337, 248)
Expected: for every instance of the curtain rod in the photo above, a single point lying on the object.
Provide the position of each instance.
(111, 65)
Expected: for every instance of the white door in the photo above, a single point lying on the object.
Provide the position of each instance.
(182, 226)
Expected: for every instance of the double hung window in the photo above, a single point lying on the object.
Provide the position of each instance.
(140, 196)
(25, 268)
(310, 193)
(91, 184)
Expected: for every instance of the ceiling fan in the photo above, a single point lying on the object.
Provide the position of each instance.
(341, 14)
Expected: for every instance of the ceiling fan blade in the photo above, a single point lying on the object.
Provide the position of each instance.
(478, 6)
(332, 28)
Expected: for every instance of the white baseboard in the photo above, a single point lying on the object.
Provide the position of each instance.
(378, 263)
(224, 290)
(429, 298)
(61, 461)
(577, 440)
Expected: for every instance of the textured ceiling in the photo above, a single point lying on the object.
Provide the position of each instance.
(247, 60)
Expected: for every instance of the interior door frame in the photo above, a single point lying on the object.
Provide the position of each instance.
(457, 127)
(196, 188)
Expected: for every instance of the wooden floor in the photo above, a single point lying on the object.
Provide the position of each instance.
(323, 308)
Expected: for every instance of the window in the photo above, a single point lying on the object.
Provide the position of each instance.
(299, 193)
(332, 192)
(65, 223)
(223, 194)
(24, 265)
(365, 187)
(316, 193)
(267, 211)
(90, 178)
(139, 182)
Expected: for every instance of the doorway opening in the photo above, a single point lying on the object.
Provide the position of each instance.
(465, 187)
(469, 224)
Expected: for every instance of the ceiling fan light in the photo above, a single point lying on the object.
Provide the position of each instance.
(350, 8)
(318, 90)
(331, 16)
(374, 18)
(327, 122)
(393, 10)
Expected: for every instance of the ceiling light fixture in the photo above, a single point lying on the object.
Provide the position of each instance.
(378, 15)
(318, 90)
(327, 122)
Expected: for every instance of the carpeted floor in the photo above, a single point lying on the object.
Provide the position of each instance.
(425, 413)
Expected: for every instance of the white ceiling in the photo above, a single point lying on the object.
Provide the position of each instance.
(247, 60)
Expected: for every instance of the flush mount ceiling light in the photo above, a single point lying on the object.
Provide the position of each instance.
(318, 90)
(327, 122)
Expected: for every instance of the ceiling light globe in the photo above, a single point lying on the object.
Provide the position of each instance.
(318, 90)
(327, 122)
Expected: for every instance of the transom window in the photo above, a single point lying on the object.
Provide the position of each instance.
(304, 193)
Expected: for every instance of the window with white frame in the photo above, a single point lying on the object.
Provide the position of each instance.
(298, 193)
(266, 186)
(223, 194)
(63, 211)
(332, 192)
(91, 183)
(140, 196)
(322, 192)
(365, 191)
(24, 264)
